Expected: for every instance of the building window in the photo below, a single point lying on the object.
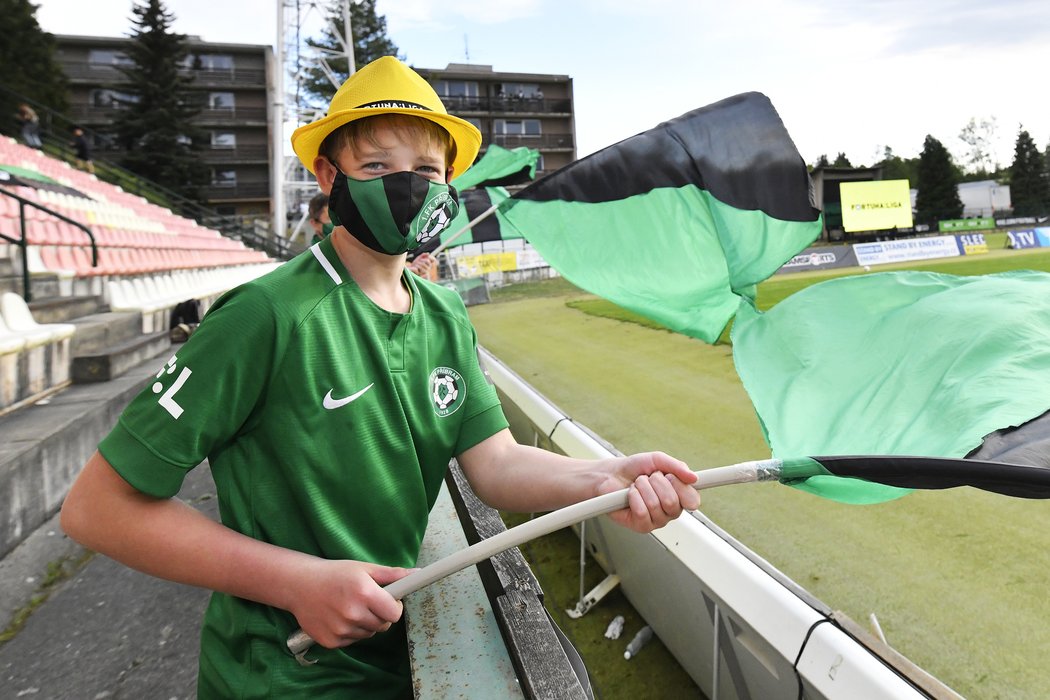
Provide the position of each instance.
(111, 99)
(108, 57)
(221, 100)
(456, 88)
(213, 61)
(223, 139)
(224, 178)
(517, 127)
(475, 121)
(183, 140)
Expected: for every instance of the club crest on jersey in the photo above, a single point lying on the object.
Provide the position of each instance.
(447, 390)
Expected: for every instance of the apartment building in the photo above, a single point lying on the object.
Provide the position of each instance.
(234, 84)
(512, 109)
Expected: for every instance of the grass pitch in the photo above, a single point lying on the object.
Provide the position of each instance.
(957, 578)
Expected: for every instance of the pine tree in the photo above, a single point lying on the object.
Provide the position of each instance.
(154, 126)
(938, 184)
(27, 64)
(1029, 186)
(841, 161)
(370, 42)
(896, 168)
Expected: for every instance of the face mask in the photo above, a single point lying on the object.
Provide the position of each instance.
(395, 213)
(326, 228)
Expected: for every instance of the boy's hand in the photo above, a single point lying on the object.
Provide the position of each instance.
(660, 490)
(422, 264)
(342, 602)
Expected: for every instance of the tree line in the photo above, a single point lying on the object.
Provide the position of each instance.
(936, 176)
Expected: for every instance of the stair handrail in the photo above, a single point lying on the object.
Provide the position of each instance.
(27, 292)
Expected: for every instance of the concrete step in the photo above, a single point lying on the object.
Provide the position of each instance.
(109, 363)
(43, 447)
(64, 309)
(106, 329)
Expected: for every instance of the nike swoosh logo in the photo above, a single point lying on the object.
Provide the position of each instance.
(331, 403)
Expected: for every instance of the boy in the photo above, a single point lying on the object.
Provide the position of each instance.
(317, 215)
(328, 397)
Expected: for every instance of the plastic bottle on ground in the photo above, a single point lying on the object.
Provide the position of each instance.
(636, 644)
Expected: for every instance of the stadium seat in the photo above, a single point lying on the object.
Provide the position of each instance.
(47, 346)
(11, 346)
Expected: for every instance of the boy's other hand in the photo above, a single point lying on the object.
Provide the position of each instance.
(422, 264)
(660, 490)
(342, 602)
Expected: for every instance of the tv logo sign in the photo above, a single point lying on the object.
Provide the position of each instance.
(1024, 239)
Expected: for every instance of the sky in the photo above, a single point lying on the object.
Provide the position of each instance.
(851, 76)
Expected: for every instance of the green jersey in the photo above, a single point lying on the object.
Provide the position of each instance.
(328, 423)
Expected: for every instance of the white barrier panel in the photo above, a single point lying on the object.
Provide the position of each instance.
(907, 249)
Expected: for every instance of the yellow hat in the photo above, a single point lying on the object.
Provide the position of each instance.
(387, 86)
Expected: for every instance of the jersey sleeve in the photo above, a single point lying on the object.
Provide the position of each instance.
(484, 413)
(200, 398)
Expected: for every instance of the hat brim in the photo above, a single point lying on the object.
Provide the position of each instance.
(307, 139)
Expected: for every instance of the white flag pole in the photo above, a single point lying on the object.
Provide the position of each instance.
(481, 217)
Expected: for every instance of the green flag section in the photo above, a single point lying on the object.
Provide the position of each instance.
(896, 363)
(677, 222)
(500, 167)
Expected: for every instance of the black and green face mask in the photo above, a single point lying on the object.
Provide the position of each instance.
(395, 213)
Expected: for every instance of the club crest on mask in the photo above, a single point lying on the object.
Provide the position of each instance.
(436, 216)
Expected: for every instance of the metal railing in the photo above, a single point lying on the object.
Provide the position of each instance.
(23, 242)
(533, 140)
(509, 105)
(109, 73)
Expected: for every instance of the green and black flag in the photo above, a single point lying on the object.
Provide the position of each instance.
(677, 223)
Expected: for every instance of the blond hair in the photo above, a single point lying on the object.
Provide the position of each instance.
(421, 133)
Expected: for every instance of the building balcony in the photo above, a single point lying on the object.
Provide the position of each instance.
(237, 154)
(242, 190)
(97, 74)
(239, 116)
(255, 153)
(508, 105)
(89, 114)
(539, 141)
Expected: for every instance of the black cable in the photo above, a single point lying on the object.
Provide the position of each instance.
(809, 632)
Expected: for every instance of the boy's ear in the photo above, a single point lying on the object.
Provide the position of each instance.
(325, 173)
(449, 174)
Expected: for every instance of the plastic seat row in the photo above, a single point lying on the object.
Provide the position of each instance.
(54, 231)
(137, 261)
(34, 357)
(156, 296)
